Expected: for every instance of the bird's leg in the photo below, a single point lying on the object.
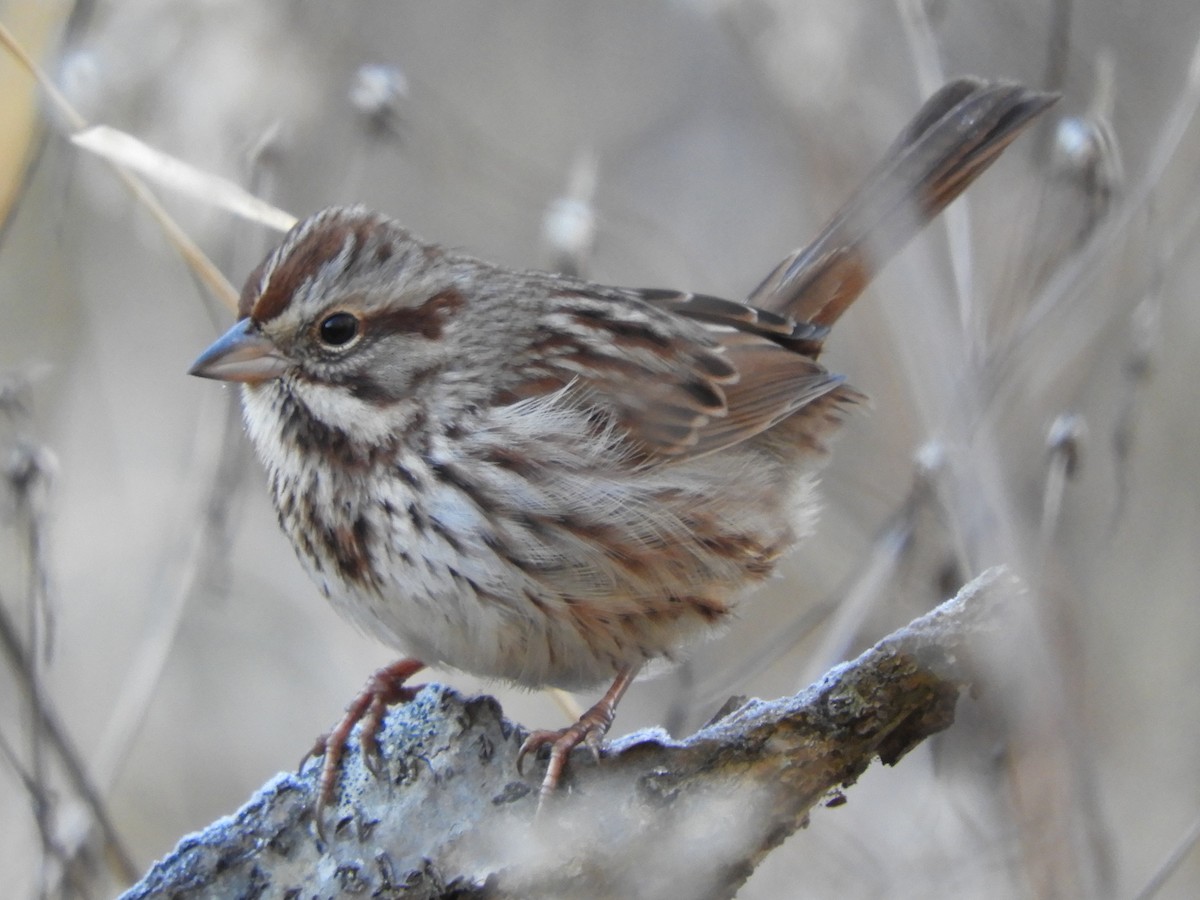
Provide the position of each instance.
(589, 729)
(383, 689)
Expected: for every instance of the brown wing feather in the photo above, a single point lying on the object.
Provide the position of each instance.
(659, 377)
(776, 377)
(679, 374)
(774, 384)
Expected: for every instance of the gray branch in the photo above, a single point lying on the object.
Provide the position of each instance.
(450, 816)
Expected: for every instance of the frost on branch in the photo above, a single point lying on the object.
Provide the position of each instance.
(451, 817)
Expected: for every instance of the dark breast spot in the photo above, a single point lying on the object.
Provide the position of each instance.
(416, 515)
(349, 546)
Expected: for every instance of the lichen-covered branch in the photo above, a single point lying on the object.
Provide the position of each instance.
(449, 816)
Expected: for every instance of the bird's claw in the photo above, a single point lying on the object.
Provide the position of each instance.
(384, 688)
(588, 731)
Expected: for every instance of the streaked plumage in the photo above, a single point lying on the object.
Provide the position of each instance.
(549, 481)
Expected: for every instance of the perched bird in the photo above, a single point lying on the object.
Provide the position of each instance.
(544, 480)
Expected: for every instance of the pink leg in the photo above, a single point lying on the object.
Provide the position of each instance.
(383, 689)
(590, 730)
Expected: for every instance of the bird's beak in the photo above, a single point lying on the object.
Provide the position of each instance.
(241, 354)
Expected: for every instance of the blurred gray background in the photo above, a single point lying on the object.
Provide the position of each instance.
(189, 658)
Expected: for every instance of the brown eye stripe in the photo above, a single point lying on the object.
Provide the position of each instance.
(427, 320)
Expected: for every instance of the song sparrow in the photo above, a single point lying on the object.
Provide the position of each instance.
(548, 481)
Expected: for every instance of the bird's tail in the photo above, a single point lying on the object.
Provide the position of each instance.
(955, 136)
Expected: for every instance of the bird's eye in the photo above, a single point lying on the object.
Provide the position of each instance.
(338, 329)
